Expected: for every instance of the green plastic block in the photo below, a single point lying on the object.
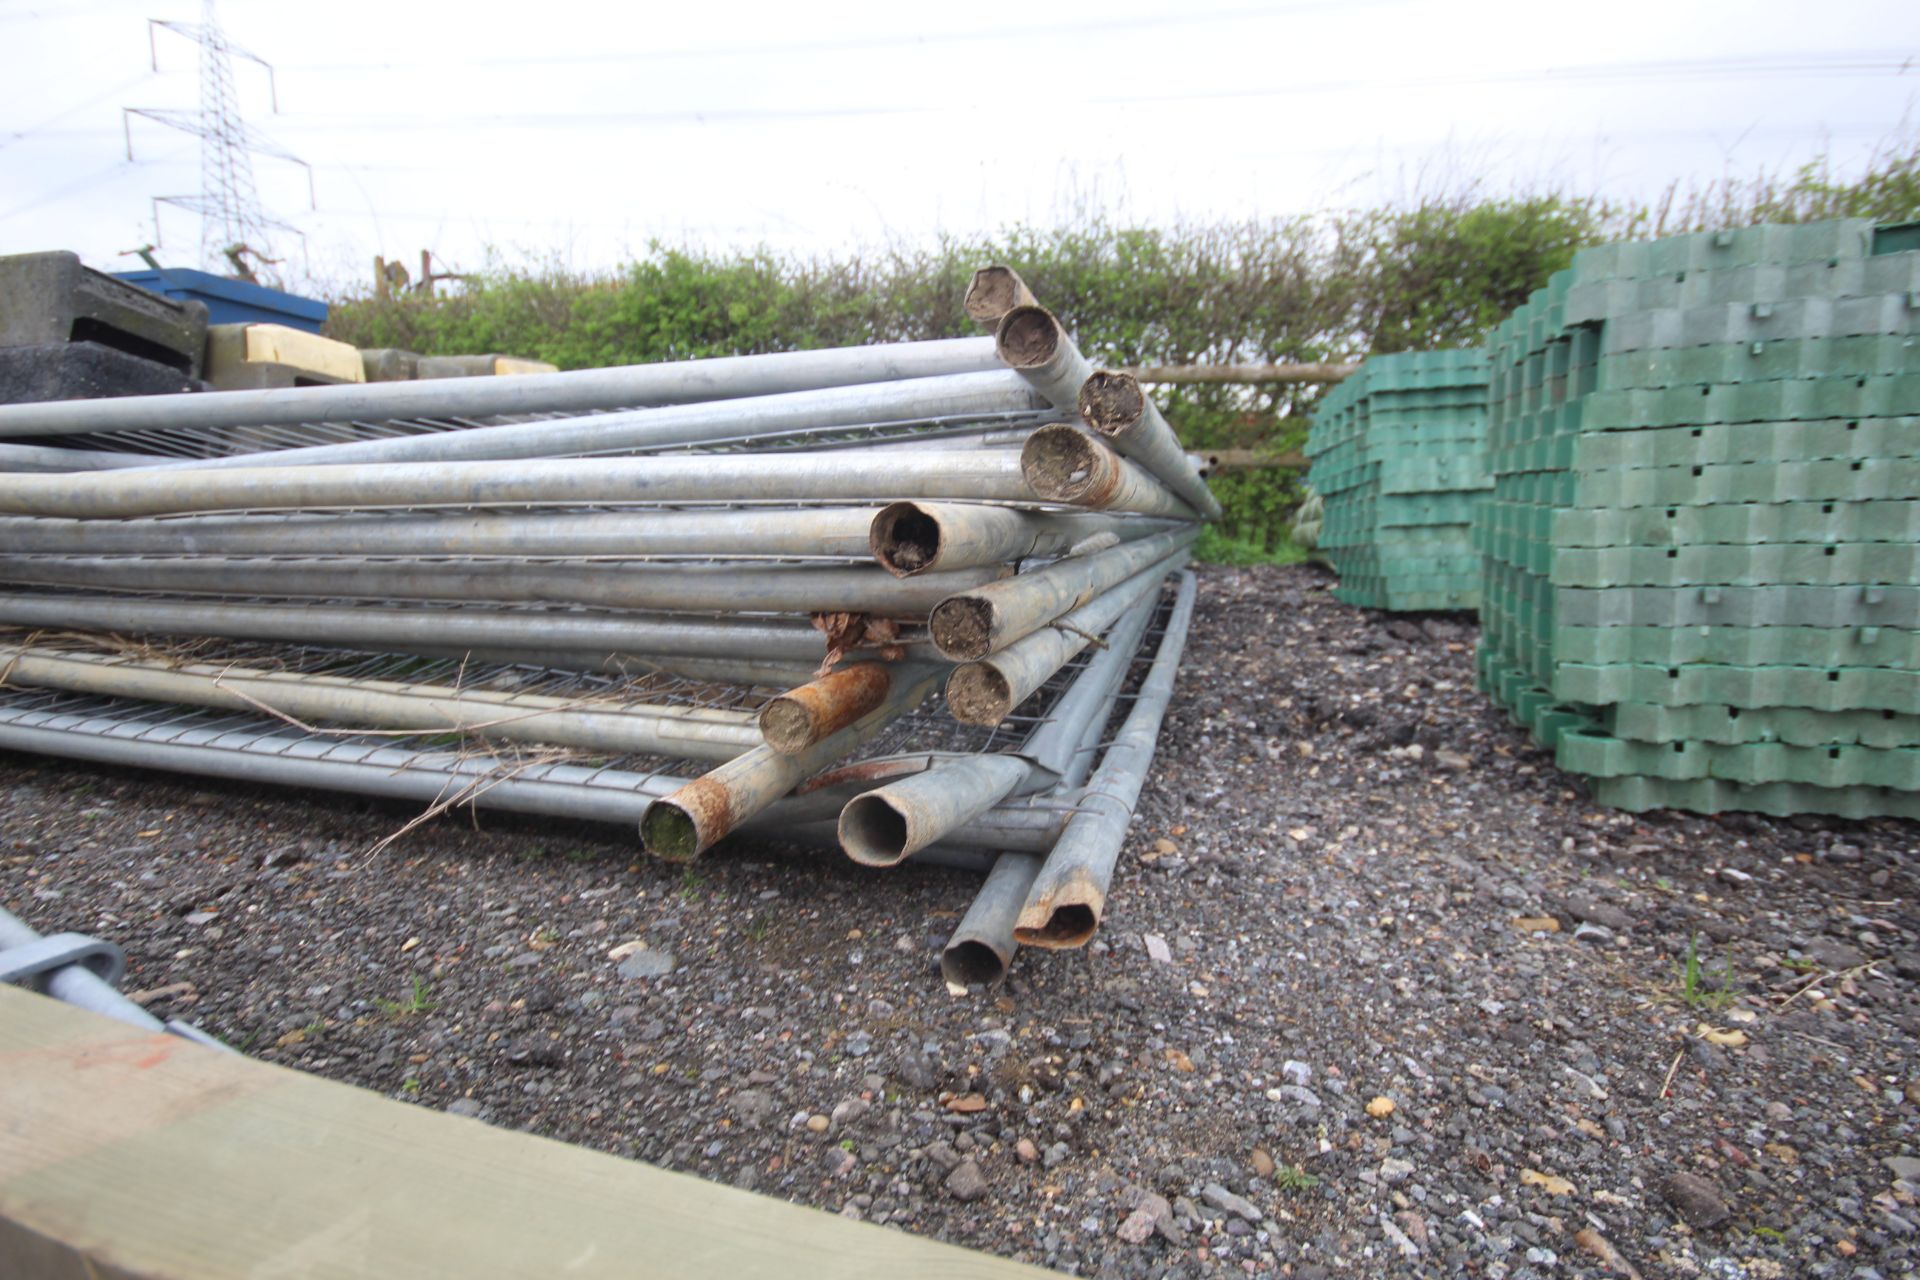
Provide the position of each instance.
(1834, 689)
(1780, 799)
(1645, 722)
(1739, 646)
(1600, 756)
(1836, 564)
(1744, 523)
(1838, 481)
(1738, 607)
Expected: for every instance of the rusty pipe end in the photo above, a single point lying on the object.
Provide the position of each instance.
(1112, 402)
(874, 831)
(972, 962)
(1069, 926)
(904, 539)
(684, 825)
(994, 291)
(979, 694)
(1062, 463)
(962, 627)
(799, 718)
(1029, 338)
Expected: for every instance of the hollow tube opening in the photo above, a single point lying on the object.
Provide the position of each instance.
(970, 963)
(873, 832)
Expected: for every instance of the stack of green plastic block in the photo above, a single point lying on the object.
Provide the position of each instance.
(1702, 552)
(1399, 462)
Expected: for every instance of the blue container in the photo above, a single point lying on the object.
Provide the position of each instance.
(232, 301)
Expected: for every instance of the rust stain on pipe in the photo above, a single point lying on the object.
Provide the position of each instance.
(801, 717)
(867, 771)
(685, 824)
(1064, 918)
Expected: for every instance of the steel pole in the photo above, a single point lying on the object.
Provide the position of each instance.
(1065, 464)
(1068, 897)
(983, 620)
(981, 948)
(721, 588)
(909, 538)
(581, 391)
(1114, 405)
(865, 475)
(885, 825)
(987, 691)
(837, 532)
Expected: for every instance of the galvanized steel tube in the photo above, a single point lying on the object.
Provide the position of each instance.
(1065, 464)
(909, 538)
(722, 587)
(802, 716)
(582, 391)
(1058, 747)
(1034, 344)
(423, 630)
(425, 709)
(883, 826)
(839, 532)
(862, 475)
(959, 397)
(979, 951)
(1114, 405)
(987, 691)
(33, 457)
(687, 823)
(1064, 907)
(994, 291)
(985, 619)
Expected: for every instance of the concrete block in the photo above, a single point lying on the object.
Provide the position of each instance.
(256, 356)
(83, 371)
(480, 366)
(388, 364)
(49, 297)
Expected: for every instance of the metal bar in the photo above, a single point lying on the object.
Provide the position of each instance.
(1082, 710)
(1068, 897)
(1243, 373)
(425, 710)
(1033, 342)
(585, 390)
(994, 291)
(909, 538)
(979, 951)
(687, 823)
(1065, 464)
(451, 630)
(843, 532)
(987, 691)
(722, 587)
(803, 716)
(34, 457)
(971, 625)
(285, 758)
(963, 396)
(1114, 405)
(883, 826)
(865, 475)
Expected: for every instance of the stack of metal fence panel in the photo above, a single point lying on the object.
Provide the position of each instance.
(1702, 554)
(1399, 463)
(922, 600)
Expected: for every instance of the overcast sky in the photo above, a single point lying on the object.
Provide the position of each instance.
(580, 131)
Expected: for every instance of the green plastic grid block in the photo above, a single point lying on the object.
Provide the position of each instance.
(1647, 722)
(1779, 799)
(1833, 689)
(1600, 756)
(1739, 646)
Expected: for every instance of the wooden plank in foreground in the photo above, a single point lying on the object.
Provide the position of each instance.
(129, 1155)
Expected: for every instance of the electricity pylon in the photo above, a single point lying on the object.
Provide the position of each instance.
(233, 226)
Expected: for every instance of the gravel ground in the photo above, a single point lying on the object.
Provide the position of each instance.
(1379, 992)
